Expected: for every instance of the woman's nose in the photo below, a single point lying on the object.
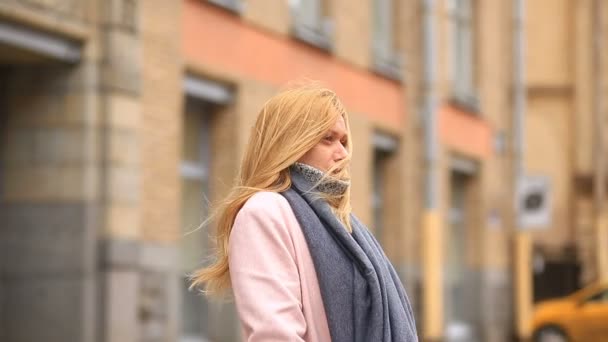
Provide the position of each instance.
(341, 152)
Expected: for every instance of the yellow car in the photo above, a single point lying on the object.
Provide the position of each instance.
(579, 317)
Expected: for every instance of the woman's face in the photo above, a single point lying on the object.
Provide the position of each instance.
(330, 150)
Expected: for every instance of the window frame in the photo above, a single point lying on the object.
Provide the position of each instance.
(463, 54)
(236, 6)
(317, 31)
(196, 170)
(598, 297)
(385, 147)
(387, 60)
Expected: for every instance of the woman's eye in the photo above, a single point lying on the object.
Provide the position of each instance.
(328, 138)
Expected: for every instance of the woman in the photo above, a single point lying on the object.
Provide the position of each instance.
(301, 266)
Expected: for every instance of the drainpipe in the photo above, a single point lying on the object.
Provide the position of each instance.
(431, 230)
(600, 219)
(522, 240)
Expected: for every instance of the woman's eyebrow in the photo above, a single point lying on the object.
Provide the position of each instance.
(337, 133)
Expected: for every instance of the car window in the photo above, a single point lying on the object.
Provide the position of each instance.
(600, 297)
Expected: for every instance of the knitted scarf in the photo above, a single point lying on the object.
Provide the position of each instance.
(362, 294)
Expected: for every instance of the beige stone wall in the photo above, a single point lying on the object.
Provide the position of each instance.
(549, 43)
(273, 16)
(443, 48)
(162, 106)
(560, 126)
(123, 161)
(60, 15)
(353, 31)
(361, 168)
(583, 81)
(116, 52)
(547, 141)
(495, 41)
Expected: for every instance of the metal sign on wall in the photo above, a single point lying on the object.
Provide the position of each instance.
(534, 202)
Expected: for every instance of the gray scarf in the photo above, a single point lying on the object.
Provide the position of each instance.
(325, 184)
(362, 294)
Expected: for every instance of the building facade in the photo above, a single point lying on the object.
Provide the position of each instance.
(460, 79)
(566, 127)
(474, 53)
(123, 121)
(566, 141)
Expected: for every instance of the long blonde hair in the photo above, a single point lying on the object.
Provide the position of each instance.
(288, 126)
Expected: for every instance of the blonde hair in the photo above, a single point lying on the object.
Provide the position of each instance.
(288, 126)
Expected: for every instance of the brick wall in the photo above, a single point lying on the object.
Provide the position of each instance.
(162, 98)
(56, 14)
(353, 31)
(272, 16)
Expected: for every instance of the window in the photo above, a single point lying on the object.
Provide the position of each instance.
(194, 171)
(378, 201)
(384, 150)
(461, 287)
(385, 40)
(311, 22)
(601, 297)
(463, 47)
(205, 98)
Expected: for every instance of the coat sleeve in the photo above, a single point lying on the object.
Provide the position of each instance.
(264, 273)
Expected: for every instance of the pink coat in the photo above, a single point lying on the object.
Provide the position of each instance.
(273, 277)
